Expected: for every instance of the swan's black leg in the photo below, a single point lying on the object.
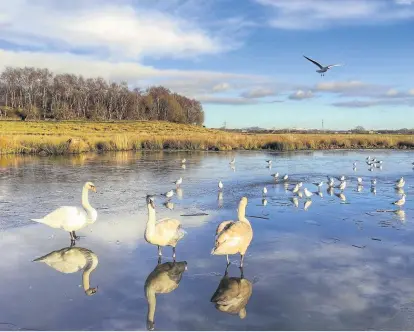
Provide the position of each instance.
(241, 272)
(159, 251)
(241, 260)
(173, 253)
(74, 236)
(228, 261)
(159, 260)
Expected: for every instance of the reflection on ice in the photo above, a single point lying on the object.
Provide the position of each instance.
(71, 260)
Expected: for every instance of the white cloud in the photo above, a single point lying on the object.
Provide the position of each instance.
(258, 93)
(226, 100)
(305, 14)
(121, 31)
(221, 87)
(183, 81)
(301, 95)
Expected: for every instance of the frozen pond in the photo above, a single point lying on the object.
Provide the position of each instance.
(336, 265)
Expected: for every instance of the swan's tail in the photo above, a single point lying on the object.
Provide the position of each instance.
(181, 233)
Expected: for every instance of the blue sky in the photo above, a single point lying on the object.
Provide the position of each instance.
(241, 58)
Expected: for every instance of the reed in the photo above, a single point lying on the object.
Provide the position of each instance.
(74, 137)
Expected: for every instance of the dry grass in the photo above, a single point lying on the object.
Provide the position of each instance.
(76, 137)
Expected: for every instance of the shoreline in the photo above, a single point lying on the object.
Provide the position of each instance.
(68, 138)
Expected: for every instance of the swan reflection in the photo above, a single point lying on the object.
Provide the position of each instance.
(162, 280)
(232, 294)
(71, 260)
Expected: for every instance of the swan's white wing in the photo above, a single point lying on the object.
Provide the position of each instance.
(67, 217)
(315, 62)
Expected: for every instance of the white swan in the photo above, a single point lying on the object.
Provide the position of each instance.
(164, 232)
(72, 218)
(71, 260)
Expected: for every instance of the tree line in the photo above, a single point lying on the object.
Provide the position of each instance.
(36, 93)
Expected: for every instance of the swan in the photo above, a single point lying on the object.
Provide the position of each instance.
(233, 294)
(72, 218)
(220, 185)
(164, 232)
(71, 260)
(163, 279)
(234, 237)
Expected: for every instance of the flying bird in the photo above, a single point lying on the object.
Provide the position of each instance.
(323, 69)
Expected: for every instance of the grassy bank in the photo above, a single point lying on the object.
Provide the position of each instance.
(76, 137)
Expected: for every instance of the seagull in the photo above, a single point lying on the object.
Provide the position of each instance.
(295, 189)
(276, 175)
(269, 162)
(307, 193)
(359, 180)
(285, 177)
(264, 201)
(300, 184)
(373, 182)
(264, 191)
(400, 183)
(323, 69)
(183, 161)
(354, 164)
(342, 185)
(320, 184)
(169, 194)
(178, 182)
(359, 188)
(220, 185)
(233, 161)
(331, 183)
(401, 201)
(342, 178)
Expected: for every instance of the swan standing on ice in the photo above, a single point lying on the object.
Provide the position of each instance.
(234, 237)
(71, 260)
(72, 218)
(164, 232)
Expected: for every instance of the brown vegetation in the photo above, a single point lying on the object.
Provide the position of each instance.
(65, 137)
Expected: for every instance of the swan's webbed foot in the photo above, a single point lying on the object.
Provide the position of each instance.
(159, 260)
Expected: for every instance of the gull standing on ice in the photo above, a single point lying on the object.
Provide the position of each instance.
(220, 185)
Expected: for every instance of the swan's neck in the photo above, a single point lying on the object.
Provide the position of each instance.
(151, 220)
(89, 209)
(152, 301)
(241, 213)
(91, 265)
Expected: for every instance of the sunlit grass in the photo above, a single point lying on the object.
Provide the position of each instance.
(77, 137)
